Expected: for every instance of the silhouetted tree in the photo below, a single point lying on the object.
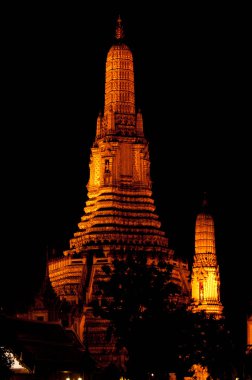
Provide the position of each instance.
(159, 333)
(6, 359)
(207, 341)
(5, 363)
(137, 299)
(248, 365)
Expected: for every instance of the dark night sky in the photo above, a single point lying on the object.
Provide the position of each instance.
(193, 84)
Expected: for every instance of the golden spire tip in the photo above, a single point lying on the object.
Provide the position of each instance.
(119, 29)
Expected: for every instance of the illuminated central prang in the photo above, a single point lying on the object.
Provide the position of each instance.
(120, 215)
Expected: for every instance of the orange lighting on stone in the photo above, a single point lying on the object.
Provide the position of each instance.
(205, 282)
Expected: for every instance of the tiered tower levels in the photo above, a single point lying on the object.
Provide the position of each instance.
(120, 209)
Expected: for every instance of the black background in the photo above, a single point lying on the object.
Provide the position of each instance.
(193, 85)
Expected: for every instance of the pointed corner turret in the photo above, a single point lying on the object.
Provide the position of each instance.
(47, 263)
(205, 280)
(119, 29)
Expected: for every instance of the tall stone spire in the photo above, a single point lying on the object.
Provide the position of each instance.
(119, 217)
(205, 281)
(120, 209)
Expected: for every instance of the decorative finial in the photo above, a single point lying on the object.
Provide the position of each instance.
(119, 29)
(205, 201)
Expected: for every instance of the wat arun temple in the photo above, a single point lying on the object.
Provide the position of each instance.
(120, 219)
